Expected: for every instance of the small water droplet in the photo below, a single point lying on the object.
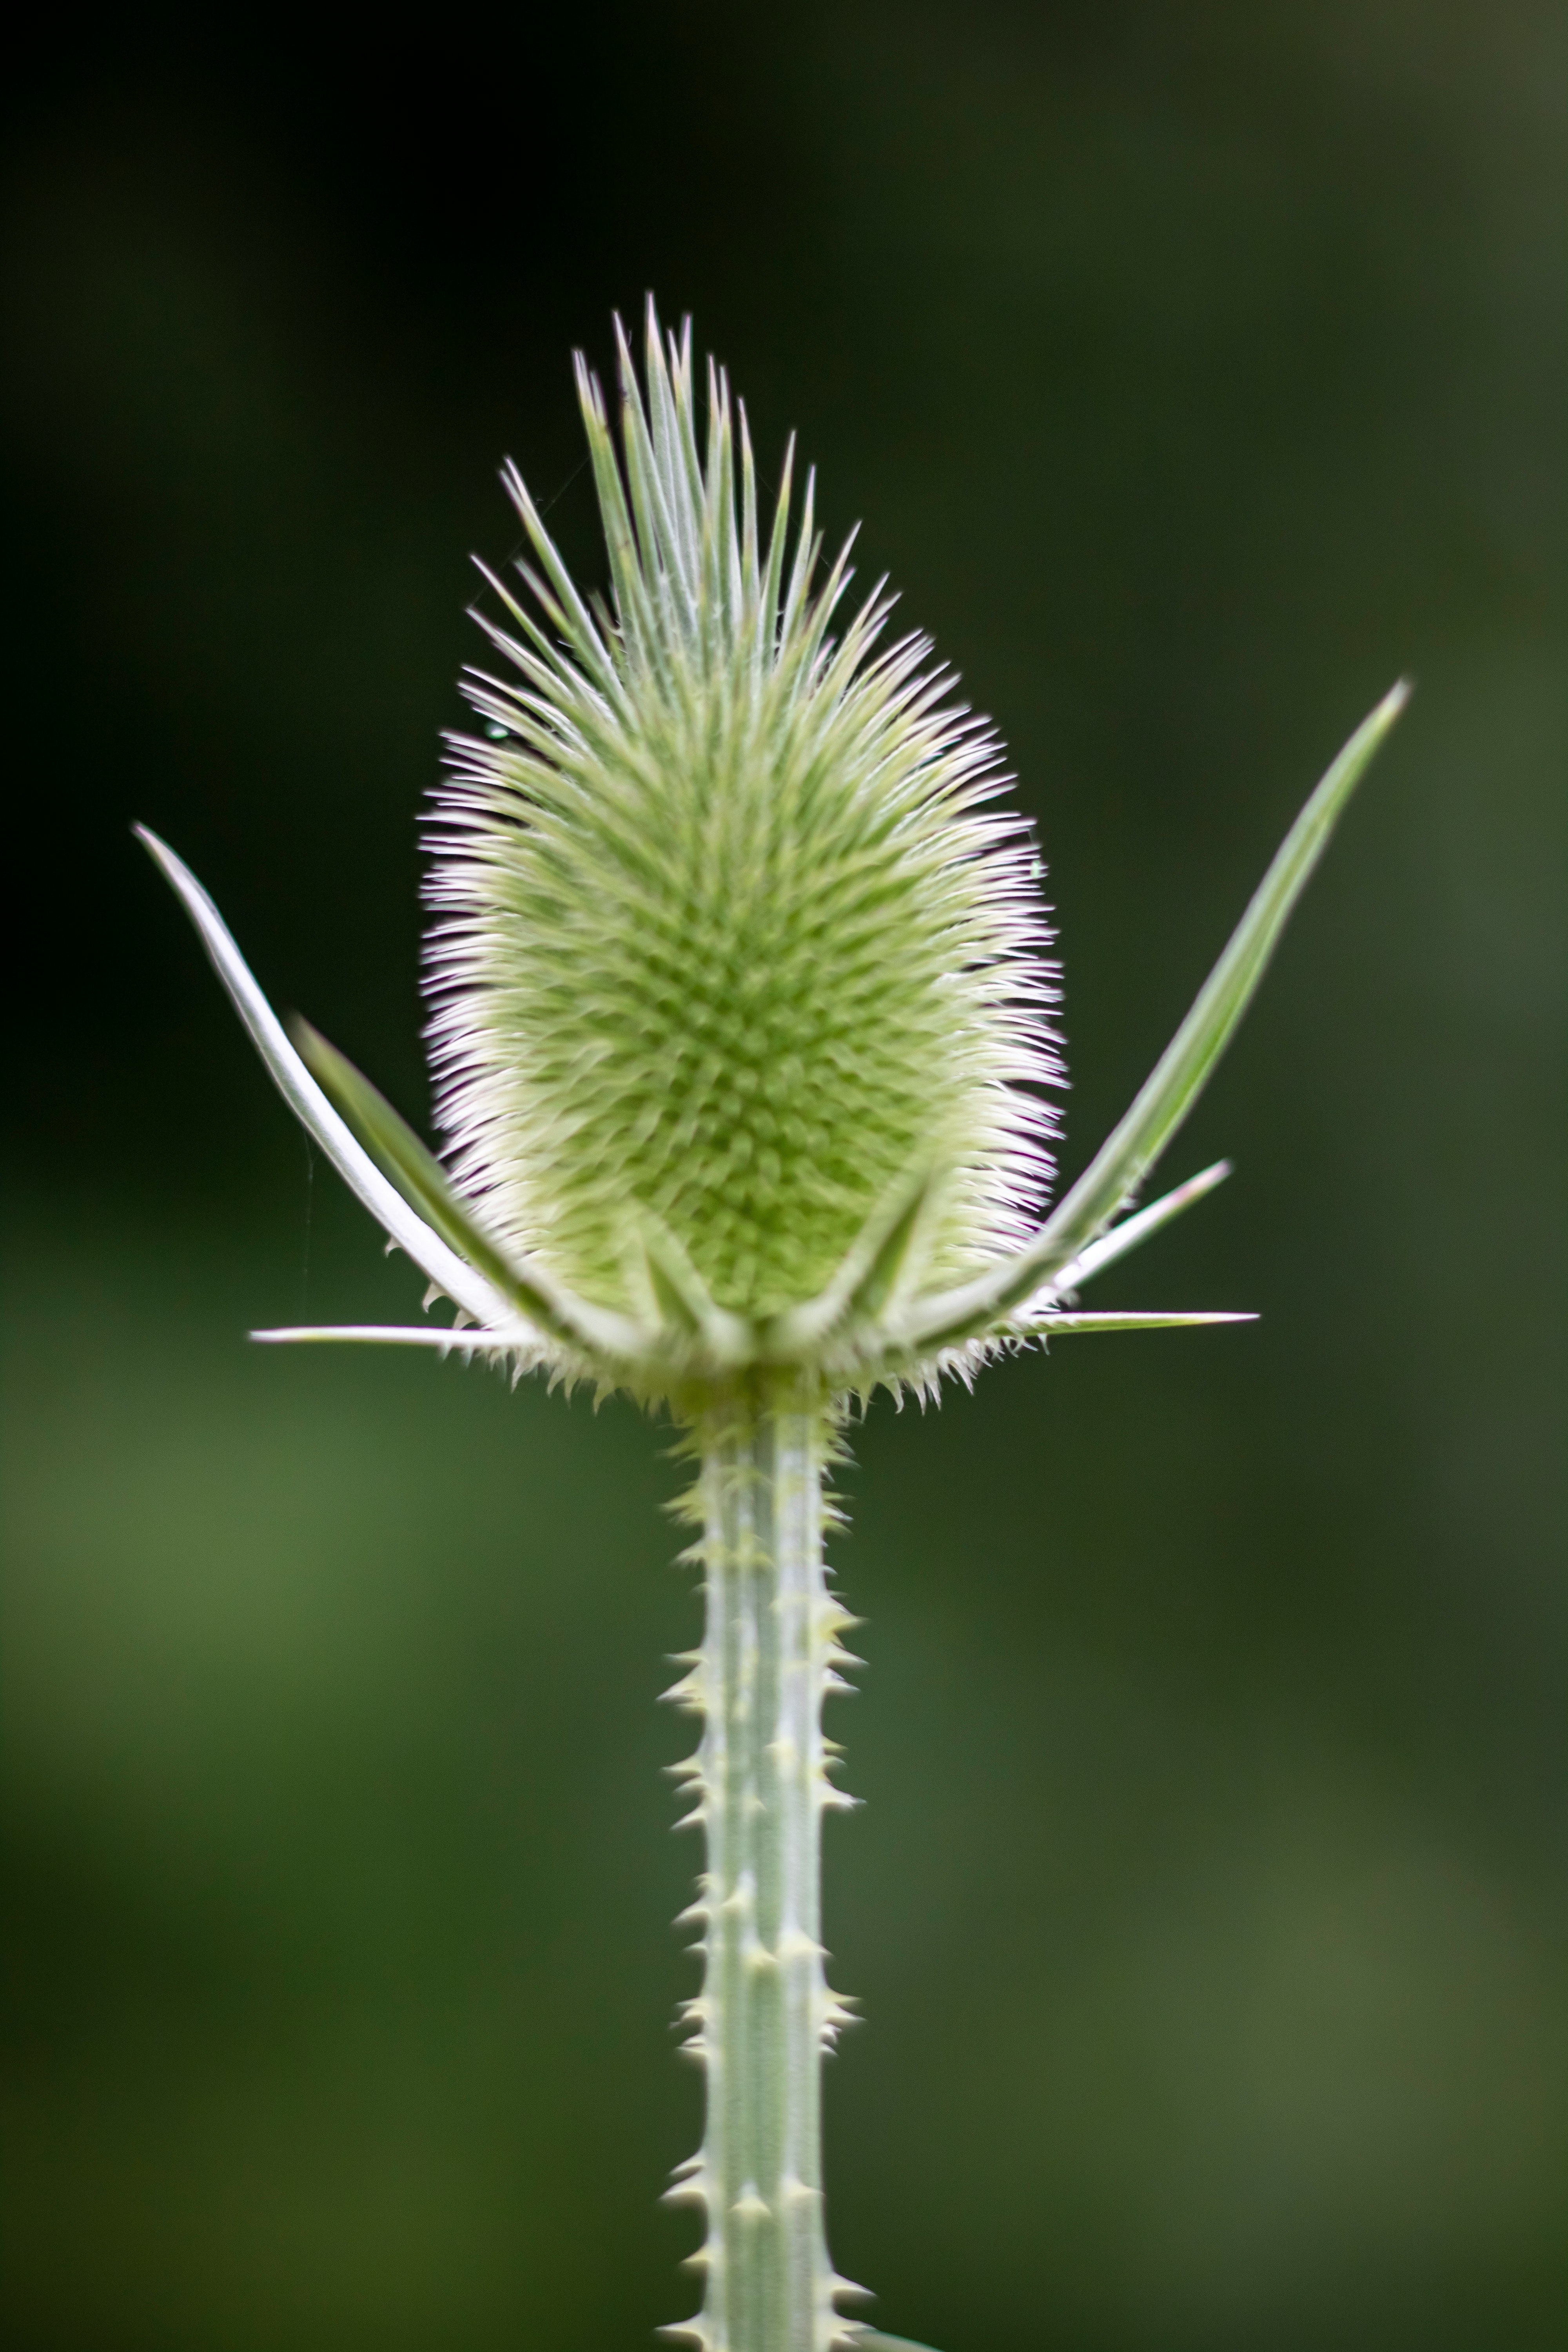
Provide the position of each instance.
(497, 734)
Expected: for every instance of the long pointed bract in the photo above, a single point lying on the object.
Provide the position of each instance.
(470, 1341)
(1049, 1327)
(1133, 1232)
(304, 1097)
(1179, 1076)
(419, 1174)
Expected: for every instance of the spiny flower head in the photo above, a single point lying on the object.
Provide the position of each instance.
(730, 930)
(740, 1010)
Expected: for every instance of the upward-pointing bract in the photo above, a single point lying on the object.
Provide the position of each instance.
(731, 934)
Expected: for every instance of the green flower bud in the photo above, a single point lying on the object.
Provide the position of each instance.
(730, 928)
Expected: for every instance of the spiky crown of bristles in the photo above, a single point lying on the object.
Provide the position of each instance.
(727, 929)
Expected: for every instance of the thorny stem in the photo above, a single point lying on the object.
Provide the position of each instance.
(760, 1783)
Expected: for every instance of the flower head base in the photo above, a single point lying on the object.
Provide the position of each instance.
(731, 937)
(740, 1008)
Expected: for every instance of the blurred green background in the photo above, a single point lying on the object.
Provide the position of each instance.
(1195, 370)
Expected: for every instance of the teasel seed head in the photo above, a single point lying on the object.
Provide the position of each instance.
(731, 930)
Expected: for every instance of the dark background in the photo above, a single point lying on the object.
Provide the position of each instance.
(1197, 370)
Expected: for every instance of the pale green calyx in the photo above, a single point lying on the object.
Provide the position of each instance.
(741, 1009)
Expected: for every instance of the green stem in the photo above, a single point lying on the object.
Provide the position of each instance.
(759, 1778)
